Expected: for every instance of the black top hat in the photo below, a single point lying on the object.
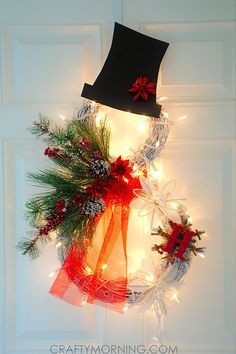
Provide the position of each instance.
(128, 78)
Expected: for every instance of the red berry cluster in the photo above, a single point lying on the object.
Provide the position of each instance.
(61, 206)
(84, 144)
(51, 152)
(77, 200)
(53, 221)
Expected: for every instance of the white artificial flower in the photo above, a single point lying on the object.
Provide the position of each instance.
(153, 199)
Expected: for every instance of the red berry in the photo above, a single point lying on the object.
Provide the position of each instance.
(84, 144)
(97, 154)
(77, 200)
(61, 206)
(51, 152)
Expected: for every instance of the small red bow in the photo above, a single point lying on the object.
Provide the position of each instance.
(143, 87)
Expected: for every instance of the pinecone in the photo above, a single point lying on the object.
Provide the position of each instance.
(99, 168)
(94, 207)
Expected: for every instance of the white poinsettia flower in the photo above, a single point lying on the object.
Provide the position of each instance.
(153, 199)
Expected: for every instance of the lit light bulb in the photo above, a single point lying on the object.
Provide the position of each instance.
(157, 143)
(174, 297)
(136, 171)
(149, 278)
(190, 219)
(62, 117)
(155, 173)
(88, 270)
(53, 235)
(133, 271)
(138, 258)
(174, 206)
(127, 148)
(142, 126)
(166, 114)
(155, 338)
(202, 255)
(59, 244)
(99, 117)
(147, 229)
(182, 117)
(125, 308)
(162, 98)
(104, 266)
(50, 275)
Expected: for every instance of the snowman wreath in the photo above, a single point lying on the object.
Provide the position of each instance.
(91, 194)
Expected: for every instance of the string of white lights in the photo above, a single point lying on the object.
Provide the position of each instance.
(146, 289)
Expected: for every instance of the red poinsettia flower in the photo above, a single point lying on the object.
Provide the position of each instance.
(61, 206)
(99, 188)
(121, 168)
(143, 88)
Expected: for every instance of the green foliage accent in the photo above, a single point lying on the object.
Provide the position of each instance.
(70, 176)
(31, 247)
(41, 126)
(28, 246)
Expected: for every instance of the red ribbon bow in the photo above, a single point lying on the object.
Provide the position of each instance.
(143, 88)
(98, 273)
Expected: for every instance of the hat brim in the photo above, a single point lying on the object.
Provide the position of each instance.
(147, 108)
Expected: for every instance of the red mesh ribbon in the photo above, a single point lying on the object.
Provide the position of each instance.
(99, 274)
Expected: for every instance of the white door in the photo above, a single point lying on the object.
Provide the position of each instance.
(48, 50)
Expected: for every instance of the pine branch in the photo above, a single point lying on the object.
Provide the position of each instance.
(105, 139)
(71, 177)
(61, 137)
(57, 179)
(41, 126)
(29, 246)
(34, 211)
(99, 135)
